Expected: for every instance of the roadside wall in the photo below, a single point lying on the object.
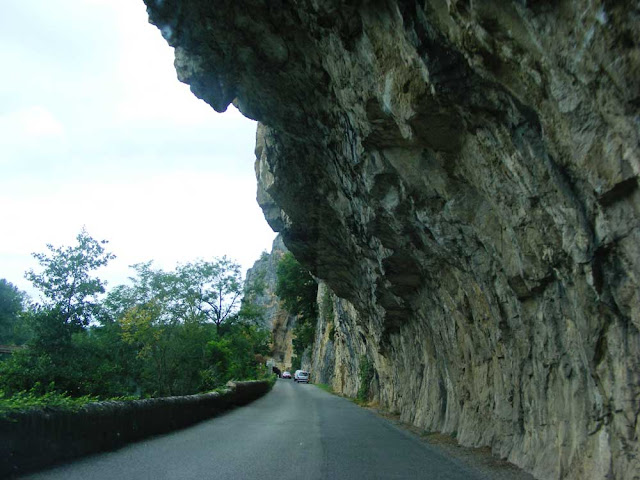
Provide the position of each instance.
(34, 439)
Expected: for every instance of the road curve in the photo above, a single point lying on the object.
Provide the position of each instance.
(293, 432)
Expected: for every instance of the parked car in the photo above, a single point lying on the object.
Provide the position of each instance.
(301, 376)
(286, 375)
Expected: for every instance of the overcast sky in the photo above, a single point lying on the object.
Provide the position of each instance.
(96, 130)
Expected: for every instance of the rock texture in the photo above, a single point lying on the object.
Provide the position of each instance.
(260, 287)
(463, 175)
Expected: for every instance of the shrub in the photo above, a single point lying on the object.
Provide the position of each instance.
(365, 375)
(27, 400)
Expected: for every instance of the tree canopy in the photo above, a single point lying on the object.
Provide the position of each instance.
(298, 291)
(168, 332)
(296, 287)
(66, 281)
(11, 305)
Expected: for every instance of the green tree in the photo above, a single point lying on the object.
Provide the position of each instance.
(167, 333)
(208, 292)
(219, 289)
(142, 327)
(11, 306)
(298, 291)
(296, 288)
(53, 360)
(66, 281)
(238, 355)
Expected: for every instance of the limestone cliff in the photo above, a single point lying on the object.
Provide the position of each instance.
(463, 176)
(260, 287)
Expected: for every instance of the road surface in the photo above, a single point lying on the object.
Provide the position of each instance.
(296, 431)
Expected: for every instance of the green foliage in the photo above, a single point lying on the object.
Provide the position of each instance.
(257, 285)
(195, 292)
(296, 288)
(66, 279)
(235, 356)
(88, 361)
(33, 399)
(272, 378)
(298, 291)
(327, 305)
(11, 306)
(296, 362)
(48, 358)
(168, 333)
(250, 310)
(365, 375)
(303, 334)
(327, 311)
(325, 387)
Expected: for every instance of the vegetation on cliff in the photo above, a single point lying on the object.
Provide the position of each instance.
(298, 291)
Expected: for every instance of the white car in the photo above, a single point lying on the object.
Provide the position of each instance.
(301, 376)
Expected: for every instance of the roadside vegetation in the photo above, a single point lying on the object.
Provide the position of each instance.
(325, 387)
(167, 333)
(298, 291)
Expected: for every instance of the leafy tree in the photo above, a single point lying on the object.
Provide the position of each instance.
(207, 292)
(62, 357)
(142, 328)
(219, 289)
(236, 355)
(250, 310)
(11, 305)
(296, 288)
(53, 359)
(298, 291)
(66, 280)
(168, 333)
(110, 367)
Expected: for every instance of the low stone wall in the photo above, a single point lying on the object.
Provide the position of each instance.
(34, 439)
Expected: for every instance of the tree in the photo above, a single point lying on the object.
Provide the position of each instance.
(66, 280)
(298, 291)
(213, 289)
(237, 355)
(296, 288)
(11, 305)
(205, 292)
(169, 316)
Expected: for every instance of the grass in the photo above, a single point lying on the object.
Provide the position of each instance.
(357, 401)
(325, 387)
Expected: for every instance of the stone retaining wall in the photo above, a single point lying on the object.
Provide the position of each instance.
(34, 439)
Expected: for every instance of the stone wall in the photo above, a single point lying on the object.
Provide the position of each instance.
(464, 177)
(34, 439)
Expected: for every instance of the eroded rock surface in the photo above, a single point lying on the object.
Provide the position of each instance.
(464, 177)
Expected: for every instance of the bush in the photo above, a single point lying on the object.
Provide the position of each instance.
(365, 375)
(27, 400)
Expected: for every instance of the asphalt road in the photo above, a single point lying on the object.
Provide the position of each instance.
(296, 432)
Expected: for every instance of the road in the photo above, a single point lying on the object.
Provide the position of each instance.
(293, 432)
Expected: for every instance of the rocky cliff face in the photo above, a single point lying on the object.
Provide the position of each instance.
(260, 287)
(463, 176)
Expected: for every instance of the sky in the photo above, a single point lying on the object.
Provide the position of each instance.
(96, 131)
